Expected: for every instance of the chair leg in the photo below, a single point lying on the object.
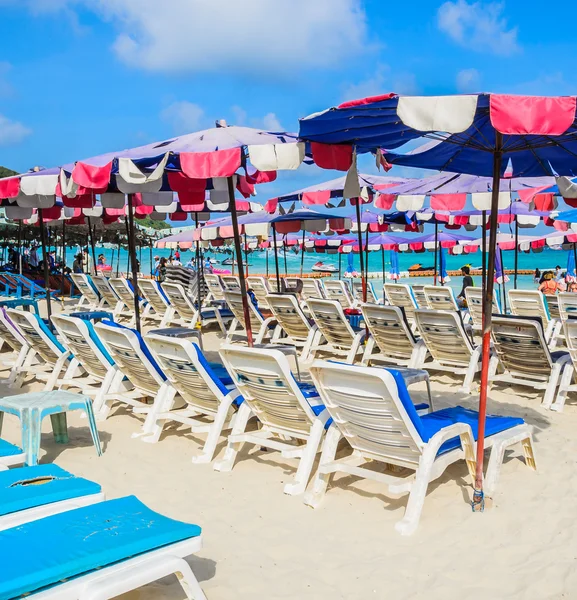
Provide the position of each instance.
(153, 426)
(231, 330)
(321, 481)
(472, 369)
(365, 361)
(214, 433)
(551, 386)
(232, 449)
(566, 377)
(409, 523)
(103, 402)
(307, 460)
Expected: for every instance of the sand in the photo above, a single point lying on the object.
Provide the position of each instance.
(261, 544)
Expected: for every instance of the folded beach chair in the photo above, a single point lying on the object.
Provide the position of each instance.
(289, 412)
(312, 288)
(391, 335)
(261, 289)
(567, 305)
(89, 296)
(358, 293)
(133, 358)
(474, 297)
(342, 339)
(102, 376)
(51, 356)
(210, 397)
(372, 409)
(294, 323)
(338, 290)
(401, 295)
(448, 344)
(13, 345)
(261, 327)
(215, 289)
(522, 353)
(31, 493)
(157, 303)
(230, 282)
(418, 292)
(109, 299)
(531, 303)
(97, 552)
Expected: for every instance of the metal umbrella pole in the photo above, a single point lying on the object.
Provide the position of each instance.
(45, 263)
(484, 254)
(517, 252)
(129, 257)
(384, 269)
(503, 285)
(303, 254)
(340, 263)
(198, 275)
(266, 258)
(63, 262)
(118, 258)
(19, 247)
(284, 253)
(276, 258)
(91, 238)
(367, 258)
(360, 240)
(245, 253)
(238, 251)
(133, 264)
(436, 250)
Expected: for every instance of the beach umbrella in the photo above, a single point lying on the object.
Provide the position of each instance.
(395, 272)
(570, 272)
(491, 135)
(443, 276)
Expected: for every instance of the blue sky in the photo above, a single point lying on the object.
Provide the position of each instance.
(81, 77)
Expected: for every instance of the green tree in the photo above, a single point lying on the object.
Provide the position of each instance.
(6, 172)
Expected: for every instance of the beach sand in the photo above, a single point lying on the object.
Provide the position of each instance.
(262, 544)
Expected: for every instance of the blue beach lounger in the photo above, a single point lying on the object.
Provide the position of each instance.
(97, 552)
(10, 455)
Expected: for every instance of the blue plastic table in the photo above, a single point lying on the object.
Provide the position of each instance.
(31, 408)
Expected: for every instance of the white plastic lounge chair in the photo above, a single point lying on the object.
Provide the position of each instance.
(419, 296)
(391, 334)
(261, 327)
(358, 293)
(523, 354)
(289, 412)
(531, 303)
(474, 297)
(109, 299)
(567, 305)
(312, 288)
(338, 290)
(157, 303)
(43, 346)
(567, 383)
(293, 322)
(215, 288)
(206, 388)
(553, 307)
(14, 346)
(342, 339)
(98, 552)
(439, 297)
(133, 358)
(448, 344)
(261, 289)
(90, 298)
(230, 282)
(31, 493)
(372, 409)
(122, 287)
(401, 295)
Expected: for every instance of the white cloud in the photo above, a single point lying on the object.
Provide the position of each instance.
(479, 26)
(270, 121)
(184, 117)
(468, 80)
(6, 88)
(12, 132)
(382, 81)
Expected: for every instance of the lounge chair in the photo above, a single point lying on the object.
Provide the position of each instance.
(215, 289)
(27, 287)
(133, 358)
(261, 289)
(474, 297)
(553, 307)
(261, 326)
(531, 303)
(122, 287)
(401, 295)
(43, 345)
(289, 412)
(372, 409)
(312, 288)
(97, 552)
(109, 298)
(230, 282)
(358, 293)
(157, 303)
(448, 344)
(206, 388)
(89, 298)
(567, 305)
(10, 337)
(342, 339)
(338, 290)
(294, 323)
(522, 352)
(391, 334)
(31, 493)
(418, 292)
(567, 382)
(439, 297)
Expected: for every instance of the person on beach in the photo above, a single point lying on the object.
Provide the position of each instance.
(161, 269)
(537, 276)
(549, 286)
(101, 260)
(77, 265)
(467, 282)
(572, 287)
(557, 273)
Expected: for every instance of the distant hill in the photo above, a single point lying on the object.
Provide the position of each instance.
(6, 172)
(148, 222)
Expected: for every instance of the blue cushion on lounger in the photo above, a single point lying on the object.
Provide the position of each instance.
(82, 540)
(8, 449)
(60, 485)
(210, 313)
(92, 315)
(215, 371)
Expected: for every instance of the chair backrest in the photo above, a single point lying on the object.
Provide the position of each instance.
(260, 288)
(419, 296)
(439, 297)
(123, 290)
(358, 292)
(10, 332)
(372, 409)
(154, 295)
(83, 341)
(553, 306)
(231, 282)
(188, 371)
(444, 336)
(400, 295)
(338, 290)
(182, 302)
(37, 335)
(567, 305)
(390, 330)
(312, 288)
(474, 297)
(528, 303)
(85, 286)
(234, 301)
(331, 320)
(215, 286)
(102, 285)
(289, 315)
(570, 332)
(132, 356)
(521, 346)
(264, 379)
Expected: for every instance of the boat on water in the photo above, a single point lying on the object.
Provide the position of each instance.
(320, 267)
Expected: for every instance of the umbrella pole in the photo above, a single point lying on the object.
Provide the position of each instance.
(118, 258)
(436, 250)
(284, 253)
(45, 263)
(266, 258)
(151, 257)
(516, 252)
(128, 257)
(246, 254)
(303, 255)
(340, 257)
(366, 262)
(384, 269)
(503, 285)
(360, 240)
(276, 258)
(238, 250)
(91, 238)
(484, 254)
(198, 276)
(133, 264)
(63, 262)
(19, 247)
(478, 498)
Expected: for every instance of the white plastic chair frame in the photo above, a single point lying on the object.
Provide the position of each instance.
(107, 294)
(156, 304)
(260, 288)
(567, 305)
(215, 288)
(532, 303)
(358, 293)
(567, 383)
(14, 358)
(400, 294)
(338, 290)
(474, 297)
(89, 299)
(261, 327)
